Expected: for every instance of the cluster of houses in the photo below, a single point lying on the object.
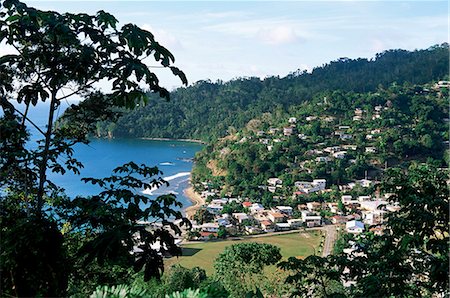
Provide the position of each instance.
(360, 212)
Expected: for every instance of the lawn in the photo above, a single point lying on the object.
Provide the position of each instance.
(203, 254)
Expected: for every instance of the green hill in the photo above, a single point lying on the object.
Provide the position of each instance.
(208, 110)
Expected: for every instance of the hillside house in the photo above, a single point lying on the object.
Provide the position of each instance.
(292, 120)
(274, 181)
(370, 150)
(340, 154)
(288, 131)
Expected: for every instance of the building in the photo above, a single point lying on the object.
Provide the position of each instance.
(276, 217)
(287, 210)
(311, 219)
(354, 227)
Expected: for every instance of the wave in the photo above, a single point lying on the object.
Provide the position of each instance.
(166, 164)
(149, 191)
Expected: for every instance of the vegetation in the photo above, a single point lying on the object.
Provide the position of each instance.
(50, 244)
(240, 267)
(211, 110)
(401, 124)
(387, 108)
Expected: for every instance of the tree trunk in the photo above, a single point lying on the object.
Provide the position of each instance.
(43, 164)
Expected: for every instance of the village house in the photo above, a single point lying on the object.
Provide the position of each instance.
(214, 208)
(288, 131)
(276, 217)
(240, 217)
(267, 225)
(255, 208)
(209, 227)
(287, 210)
(310, 118)
(340, 154)
(349, 147)
(371, 150)
(282, 226)
(292, 120)
(354, 227)
(322, 159)
(295, 222)
(273, 131)
(274, 181)
(247, 204)
(311, 219)
(310, 187)
(373, 217)
(313, 206)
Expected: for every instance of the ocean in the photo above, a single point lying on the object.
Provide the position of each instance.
(101, 156)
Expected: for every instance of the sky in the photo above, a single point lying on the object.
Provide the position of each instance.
(223, 40)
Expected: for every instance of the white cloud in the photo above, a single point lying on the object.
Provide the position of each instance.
(278, 35)
(164, 37)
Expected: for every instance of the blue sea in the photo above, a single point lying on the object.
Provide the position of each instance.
(101, 156)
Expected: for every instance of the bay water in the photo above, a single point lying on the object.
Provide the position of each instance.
(101, 156)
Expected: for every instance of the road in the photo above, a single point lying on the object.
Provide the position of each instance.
(330, 238)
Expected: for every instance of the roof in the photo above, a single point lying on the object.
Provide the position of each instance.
(247, 204)
(354, 224)
(276, 214)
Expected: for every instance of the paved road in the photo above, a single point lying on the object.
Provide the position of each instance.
(330, 238)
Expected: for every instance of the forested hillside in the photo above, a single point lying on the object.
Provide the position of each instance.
(338, 136)
(208, 110)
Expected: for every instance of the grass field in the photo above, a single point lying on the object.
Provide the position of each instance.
(203, 254)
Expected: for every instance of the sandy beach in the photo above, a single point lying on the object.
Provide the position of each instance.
(196, 199)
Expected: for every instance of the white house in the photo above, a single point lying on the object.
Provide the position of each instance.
(354, 227)
(282, 226)
(210, 227)
(240, 217)
(295, 222)
(311, 219)
(214, 208)
(256, 207)
(323, 159)
(292, 120)
(285, 210)
(274, 181)
(371, 150)
(340, 154)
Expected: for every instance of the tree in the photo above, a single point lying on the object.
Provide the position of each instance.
(202, 215)
(411, 257)
(240, 266)
(55, 53)
(314, 276)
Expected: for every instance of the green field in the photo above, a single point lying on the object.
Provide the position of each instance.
(203, 254)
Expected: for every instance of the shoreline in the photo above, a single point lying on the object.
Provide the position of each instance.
(196, 199)
(178, 140)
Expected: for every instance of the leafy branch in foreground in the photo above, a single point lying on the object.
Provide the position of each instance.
(52, 243)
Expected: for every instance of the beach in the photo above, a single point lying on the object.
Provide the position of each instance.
(196, 199)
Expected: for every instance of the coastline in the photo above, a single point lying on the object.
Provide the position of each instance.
(179, 140)
(196, 199)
